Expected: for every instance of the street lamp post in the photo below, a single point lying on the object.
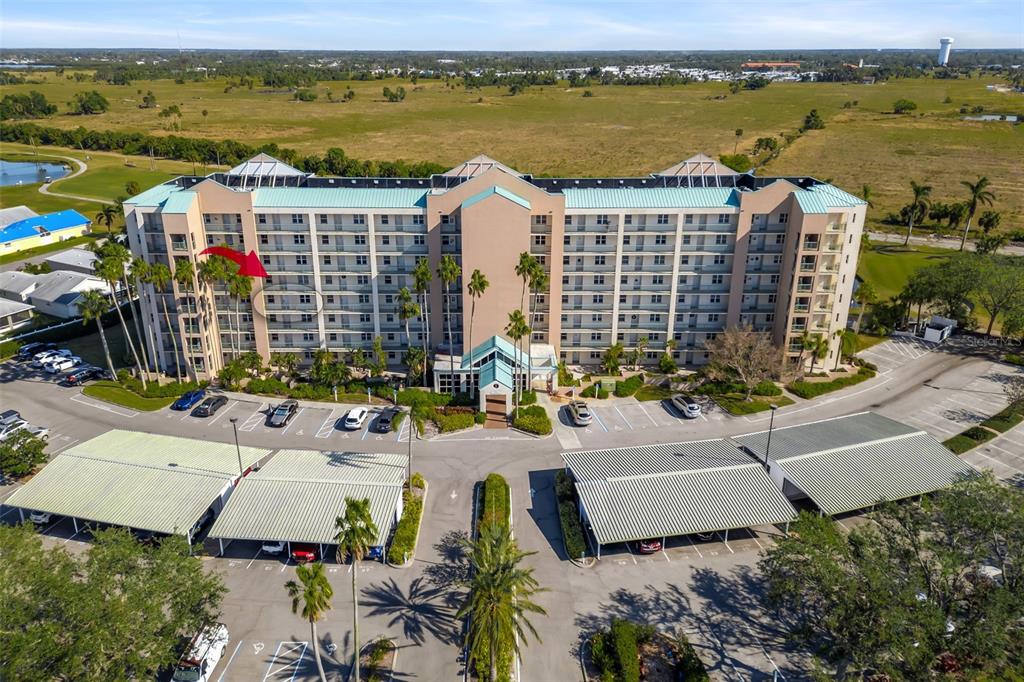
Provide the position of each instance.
(238, 449)
(768, 445)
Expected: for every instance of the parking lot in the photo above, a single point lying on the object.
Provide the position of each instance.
(897, 351)
(956, 407)
(657, 419)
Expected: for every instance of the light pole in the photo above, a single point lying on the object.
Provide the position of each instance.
(768, 445)
(238, 450)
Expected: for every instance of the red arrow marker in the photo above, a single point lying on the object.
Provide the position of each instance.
(248, 265)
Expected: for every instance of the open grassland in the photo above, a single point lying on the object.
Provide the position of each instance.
(890, 266)
(621, 130)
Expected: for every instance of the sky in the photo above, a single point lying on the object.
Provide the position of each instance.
(546, 25)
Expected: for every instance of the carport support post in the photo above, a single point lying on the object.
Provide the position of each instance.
(21, 512)
(238, 450)
(726, 537)
(74, 522)
(220, 541)
(768, 445)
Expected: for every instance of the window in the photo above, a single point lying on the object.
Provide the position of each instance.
(656, 298)
(542, 260)
(723, 218)
(419, 239)
(540, 220)
(299, 239)
(712, 317)
(387, 260)
(264, 239)
(686, 240)
(601, 240)
(323, 218)
(568, 221)
(659, 260)
(330, 300)
(297, 219)
(627, 220)
(595, 336)
(774, 279)
(307, 317)
(362, 279)
(596, 317)
(688, 219)
(719, 259)
(780, 239)
(417, 220)
(327, 260)
(658, 279)
(386, 240)
(656, 317)
(721, 239)
(261, 218)
(387, 279)
(540, 239)
(598, 279)
(360, 240)
(602, 219)
(207, 218)
(598, 298)
(325, 239)
(446, 219)
(301, 260)
(684, 260)
(384, 220)
(663, 219)
(783, 218)
(307, 336)
(361, 260)
(717, 279)
(178, 242)
(329, 279)
(364, 298)
(626, 240)
(599, 260)
(302, 279)
(305, 298)
(359, 219)
(660, 239)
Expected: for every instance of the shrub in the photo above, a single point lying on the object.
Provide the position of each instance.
(417, 481)
(404, 541)
(565, 376)
(495, 501)
(903, 106)
(480, 417)
(1004, 421)
(616, 652)
(270, 386)
(689, 665)
(806, 389)
(767, 388)
(453, 421)
(969, 439)
(529, 398)
(594, 391)
(720, 388)
(310, 392)
(8, 349)
(154, 390)
(628, 387)
(740, 163)
(415, 398)
(1014, 359)
(533, 419)
(569, 516)
(667, 365)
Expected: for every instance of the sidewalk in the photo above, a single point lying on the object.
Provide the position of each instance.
(941, 242)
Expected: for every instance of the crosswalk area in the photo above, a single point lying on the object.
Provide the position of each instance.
(896, 352)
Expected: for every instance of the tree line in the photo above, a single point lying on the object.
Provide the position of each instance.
(220, 152)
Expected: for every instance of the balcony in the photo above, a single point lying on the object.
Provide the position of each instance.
(801, 307)
(837, 227)
(808, 267)
(811, 245)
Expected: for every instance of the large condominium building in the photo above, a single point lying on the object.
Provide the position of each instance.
(681, 254)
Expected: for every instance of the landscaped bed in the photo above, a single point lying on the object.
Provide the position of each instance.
(969, 439)
(569, 516)
(732, 396)
(533, 419)
(377, 662)
(495, 501)
(113, 392)
(813, 389)
(403, 543)
(629, 652)
(1005, 420)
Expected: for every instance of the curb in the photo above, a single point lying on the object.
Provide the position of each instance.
(419, 527)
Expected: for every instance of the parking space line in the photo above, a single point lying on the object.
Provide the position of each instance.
(630, 553)
(1003, 450)
(598, 418)
(286, 562)
(725, 542)
(648, 414)
(759, 545)
(226, 410)
(253, 419)
(325, 429)
(66, 446)
(254, 556)
(993, 459)
(228, 664)
(401, 430)
(289, 425)
(665, 553)
(73, 537)
(53, 525)
(9, 511)
(623, 417)
(694, 546)
(123, 413)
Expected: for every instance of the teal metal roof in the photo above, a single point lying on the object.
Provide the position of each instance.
(499, 191)
(495, 342)
(154, 196)
(823, 198)
(179, 202)
(339, 197)
(651, 197)
(495, 371)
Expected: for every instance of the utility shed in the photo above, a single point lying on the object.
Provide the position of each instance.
(143, 481)
(659, 491)
(853, 462)
(298, 495)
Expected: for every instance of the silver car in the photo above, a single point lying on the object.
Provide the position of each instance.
(686, 405)
(580, 413)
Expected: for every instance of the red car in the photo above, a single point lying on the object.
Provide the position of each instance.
(303, 554)
(648, 546)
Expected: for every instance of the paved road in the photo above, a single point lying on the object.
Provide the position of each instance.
(708, 589)
(943, 243)
(82, 167)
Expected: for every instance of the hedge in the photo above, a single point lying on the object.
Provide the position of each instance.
(271, 386)
(628, 387)
(569, 516)
(528, 398)
(1014, 359)
(593, 391)
(533, 419)
(495, 501)
(807, 389)
(1005, 420)
(616, 652)
(9, 349)
(415, 398)
(689, 666)
(767, 388)
(76, 329)
(403, 542)
(969, 439)
(174, 389)
(453, 421)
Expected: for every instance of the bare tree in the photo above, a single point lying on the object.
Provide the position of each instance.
(1014, 390)
(744, 355)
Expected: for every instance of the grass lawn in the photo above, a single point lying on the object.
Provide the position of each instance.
(46, 248)
(865, 341)
(889, 266)
(735, 404)
(112, 392)
(648, 392)
(554, 130)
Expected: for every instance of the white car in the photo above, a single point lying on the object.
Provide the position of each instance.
(355, 418)
(202, 655)
(49, 356)
(686, 405)
(8, 429)
(62, 364)
(40, 517)
(273, 547)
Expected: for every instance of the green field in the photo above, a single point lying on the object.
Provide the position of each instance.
(889, 266)
(621, 130)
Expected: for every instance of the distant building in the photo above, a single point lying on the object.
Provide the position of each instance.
(771, 65)
(74, 260)
(55, 293)
(38, 230)
(14, 316)
(945, 46)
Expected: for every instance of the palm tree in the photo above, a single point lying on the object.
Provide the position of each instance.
(500, 597)
(212, 270)
(865, 296)
(526, 268)
(407, 309)
(920, 204)
(847, 344)
(477, 286)
(818, 346)
(865, 194)
(92, 307)
(106, 216)
(421, 277)
(356, 534)
(138, 270)
(449, 272)
(159, 277)
(979, 194)
(110, 268)
(239, 286)
(313, 592)
(185, 277)
(516, 330)
(638, 353)
(538, 283)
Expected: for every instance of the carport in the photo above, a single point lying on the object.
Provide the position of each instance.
(142, 481)
(853, 462)
(667, 490)
(298, 495)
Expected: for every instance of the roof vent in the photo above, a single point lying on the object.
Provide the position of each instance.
(599, 182)
(330, 180)
(577, 182)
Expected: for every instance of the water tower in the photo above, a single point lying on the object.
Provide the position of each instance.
(945, 45)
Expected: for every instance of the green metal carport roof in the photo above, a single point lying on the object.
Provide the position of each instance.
(138, 480)
(298, 495)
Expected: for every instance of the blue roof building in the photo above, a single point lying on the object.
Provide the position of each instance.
(37, 230)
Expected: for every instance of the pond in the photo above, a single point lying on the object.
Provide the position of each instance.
(25, 172)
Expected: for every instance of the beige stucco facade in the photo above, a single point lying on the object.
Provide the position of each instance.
(674, 256)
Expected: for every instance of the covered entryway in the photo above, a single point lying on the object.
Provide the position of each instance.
(495, 408)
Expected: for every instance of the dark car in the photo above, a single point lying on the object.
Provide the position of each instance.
(80, 375)
(386, 420)
(208, 407)
(30, 349)
(303, 554)
(189, 400)
(283, 413)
